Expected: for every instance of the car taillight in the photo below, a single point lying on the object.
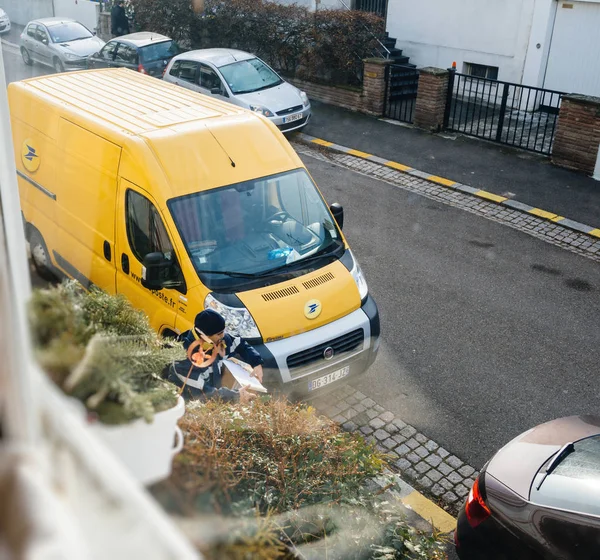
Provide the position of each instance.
(141, 69)
(476, 508)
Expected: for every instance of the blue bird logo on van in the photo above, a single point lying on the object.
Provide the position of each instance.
(312, 309)
(30, 153)
(30, 156)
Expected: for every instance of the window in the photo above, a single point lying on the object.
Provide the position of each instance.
(70, 31)
(127, 54)
(32, 31)
(109, 50)
(159, 51)
(209, 78)
(145, 229)
(41, 34)
(575, 483)
(186, 70)
(481, 71)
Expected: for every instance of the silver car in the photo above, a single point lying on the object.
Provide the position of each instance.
(242, 79)
(4, 22)
(62, 43)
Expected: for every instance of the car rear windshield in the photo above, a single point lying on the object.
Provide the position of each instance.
(71, 31)
(158, 51)
(575, 483)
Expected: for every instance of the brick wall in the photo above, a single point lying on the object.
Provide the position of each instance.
(577, 133)
(369, 99)
(431, 99)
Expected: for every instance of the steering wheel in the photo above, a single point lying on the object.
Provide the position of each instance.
(279, 216)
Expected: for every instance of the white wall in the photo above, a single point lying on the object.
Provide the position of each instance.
(83, 11)
(23, 11)
(541, 34)
(489, 32)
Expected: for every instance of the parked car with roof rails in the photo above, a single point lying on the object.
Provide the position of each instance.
(62, 43)
(145, 52)
(242, 79)
(538, 498)
(4, 22)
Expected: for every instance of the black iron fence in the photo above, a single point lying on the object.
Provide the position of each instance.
(402, 83)
(378, 7)
(513, 114)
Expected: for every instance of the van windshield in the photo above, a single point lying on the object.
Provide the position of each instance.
(255, 228)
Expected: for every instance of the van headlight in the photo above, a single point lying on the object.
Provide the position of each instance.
(262, 110)
(238, 321)
(359, 278)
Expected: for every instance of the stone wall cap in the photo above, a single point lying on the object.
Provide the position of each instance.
(375, 60)
(587, 99)
(433, 70)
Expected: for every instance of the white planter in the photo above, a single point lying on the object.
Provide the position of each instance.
(147, 450)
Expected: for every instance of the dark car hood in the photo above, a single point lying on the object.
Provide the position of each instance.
(517, 463)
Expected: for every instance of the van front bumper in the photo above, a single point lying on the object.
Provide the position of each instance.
(291, 364)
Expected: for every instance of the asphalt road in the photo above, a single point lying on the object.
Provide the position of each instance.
(486, 331)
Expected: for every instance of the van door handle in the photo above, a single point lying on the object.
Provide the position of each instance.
(107, 253)
(125, 263)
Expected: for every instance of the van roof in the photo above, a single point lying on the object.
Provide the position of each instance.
(130, 101)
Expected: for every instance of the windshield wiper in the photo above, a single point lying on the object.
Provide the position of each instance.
(228, 273)
(260, 88)
(562, 453)
(322, 254)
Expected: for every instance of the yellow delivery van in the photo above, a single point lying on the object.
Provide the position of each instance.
(181, 202)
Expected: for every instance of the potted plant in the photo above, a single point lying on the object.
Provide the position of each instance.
(104, 353)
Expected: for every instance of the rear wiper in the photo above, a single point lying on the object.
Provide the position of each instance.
(563, 452)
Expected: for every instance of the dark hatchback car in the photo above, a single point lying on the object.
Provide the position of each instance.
(145, 52)
(538, 497)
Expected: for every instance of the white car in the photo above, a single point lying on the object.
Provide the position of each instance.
(242, 79)
(4, 22)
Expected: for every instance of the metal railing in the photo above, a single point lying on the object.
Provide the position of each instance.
(378, 7)
(402, 83)
(382, 50)
(504, 112)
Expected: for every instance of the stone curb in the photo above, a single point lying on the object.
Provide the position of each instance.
(415, 457)
(488, 196)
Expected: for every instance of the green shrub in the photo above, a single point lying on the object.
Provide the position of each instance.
(101, 350)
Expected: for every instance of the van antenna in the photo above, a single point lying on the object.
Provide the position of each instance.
(211, 133)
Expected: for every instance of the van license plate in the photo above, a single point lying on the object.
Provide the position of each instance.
(327, 379)
(292, 118)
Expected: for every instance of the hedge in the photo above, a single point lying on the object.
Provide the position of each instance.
(326, 45)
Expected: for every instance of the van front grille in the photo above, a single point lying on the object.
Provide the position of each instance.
(278, 294)
(313, 283)
(351, 341)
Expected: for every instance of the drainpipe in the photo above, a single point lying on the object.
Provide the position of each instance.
(549, 47)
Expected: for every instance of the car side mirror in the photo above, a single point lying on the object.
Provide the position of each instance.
(215, 91)
(338, 213)
(156, 271)
(45, 41)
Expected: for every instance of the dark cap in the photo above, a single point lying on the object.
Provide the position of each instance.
(209, 322)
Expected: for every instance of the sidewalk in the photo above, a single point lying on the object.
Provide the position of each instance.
(526, 177)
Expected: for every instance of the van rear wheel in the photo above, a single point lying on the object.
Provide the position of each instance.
(40, 256)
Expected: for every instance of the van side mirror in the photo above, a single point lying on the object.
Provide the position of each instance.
(338, 213)
(156, 271)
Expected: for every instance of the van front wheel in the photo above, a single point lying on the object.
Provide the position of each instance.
(40, 256)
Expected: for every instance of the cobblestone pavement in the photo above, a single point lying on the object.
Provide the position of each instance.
(418, 459)
(460, 196)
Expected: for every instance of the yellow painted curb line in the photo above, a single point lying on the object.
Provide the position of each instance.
(595, 232)
(429, 511)
(542, 213)
(490, 196)
(322, 142)
(441, 180)
(358, 153)
(398, 166)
